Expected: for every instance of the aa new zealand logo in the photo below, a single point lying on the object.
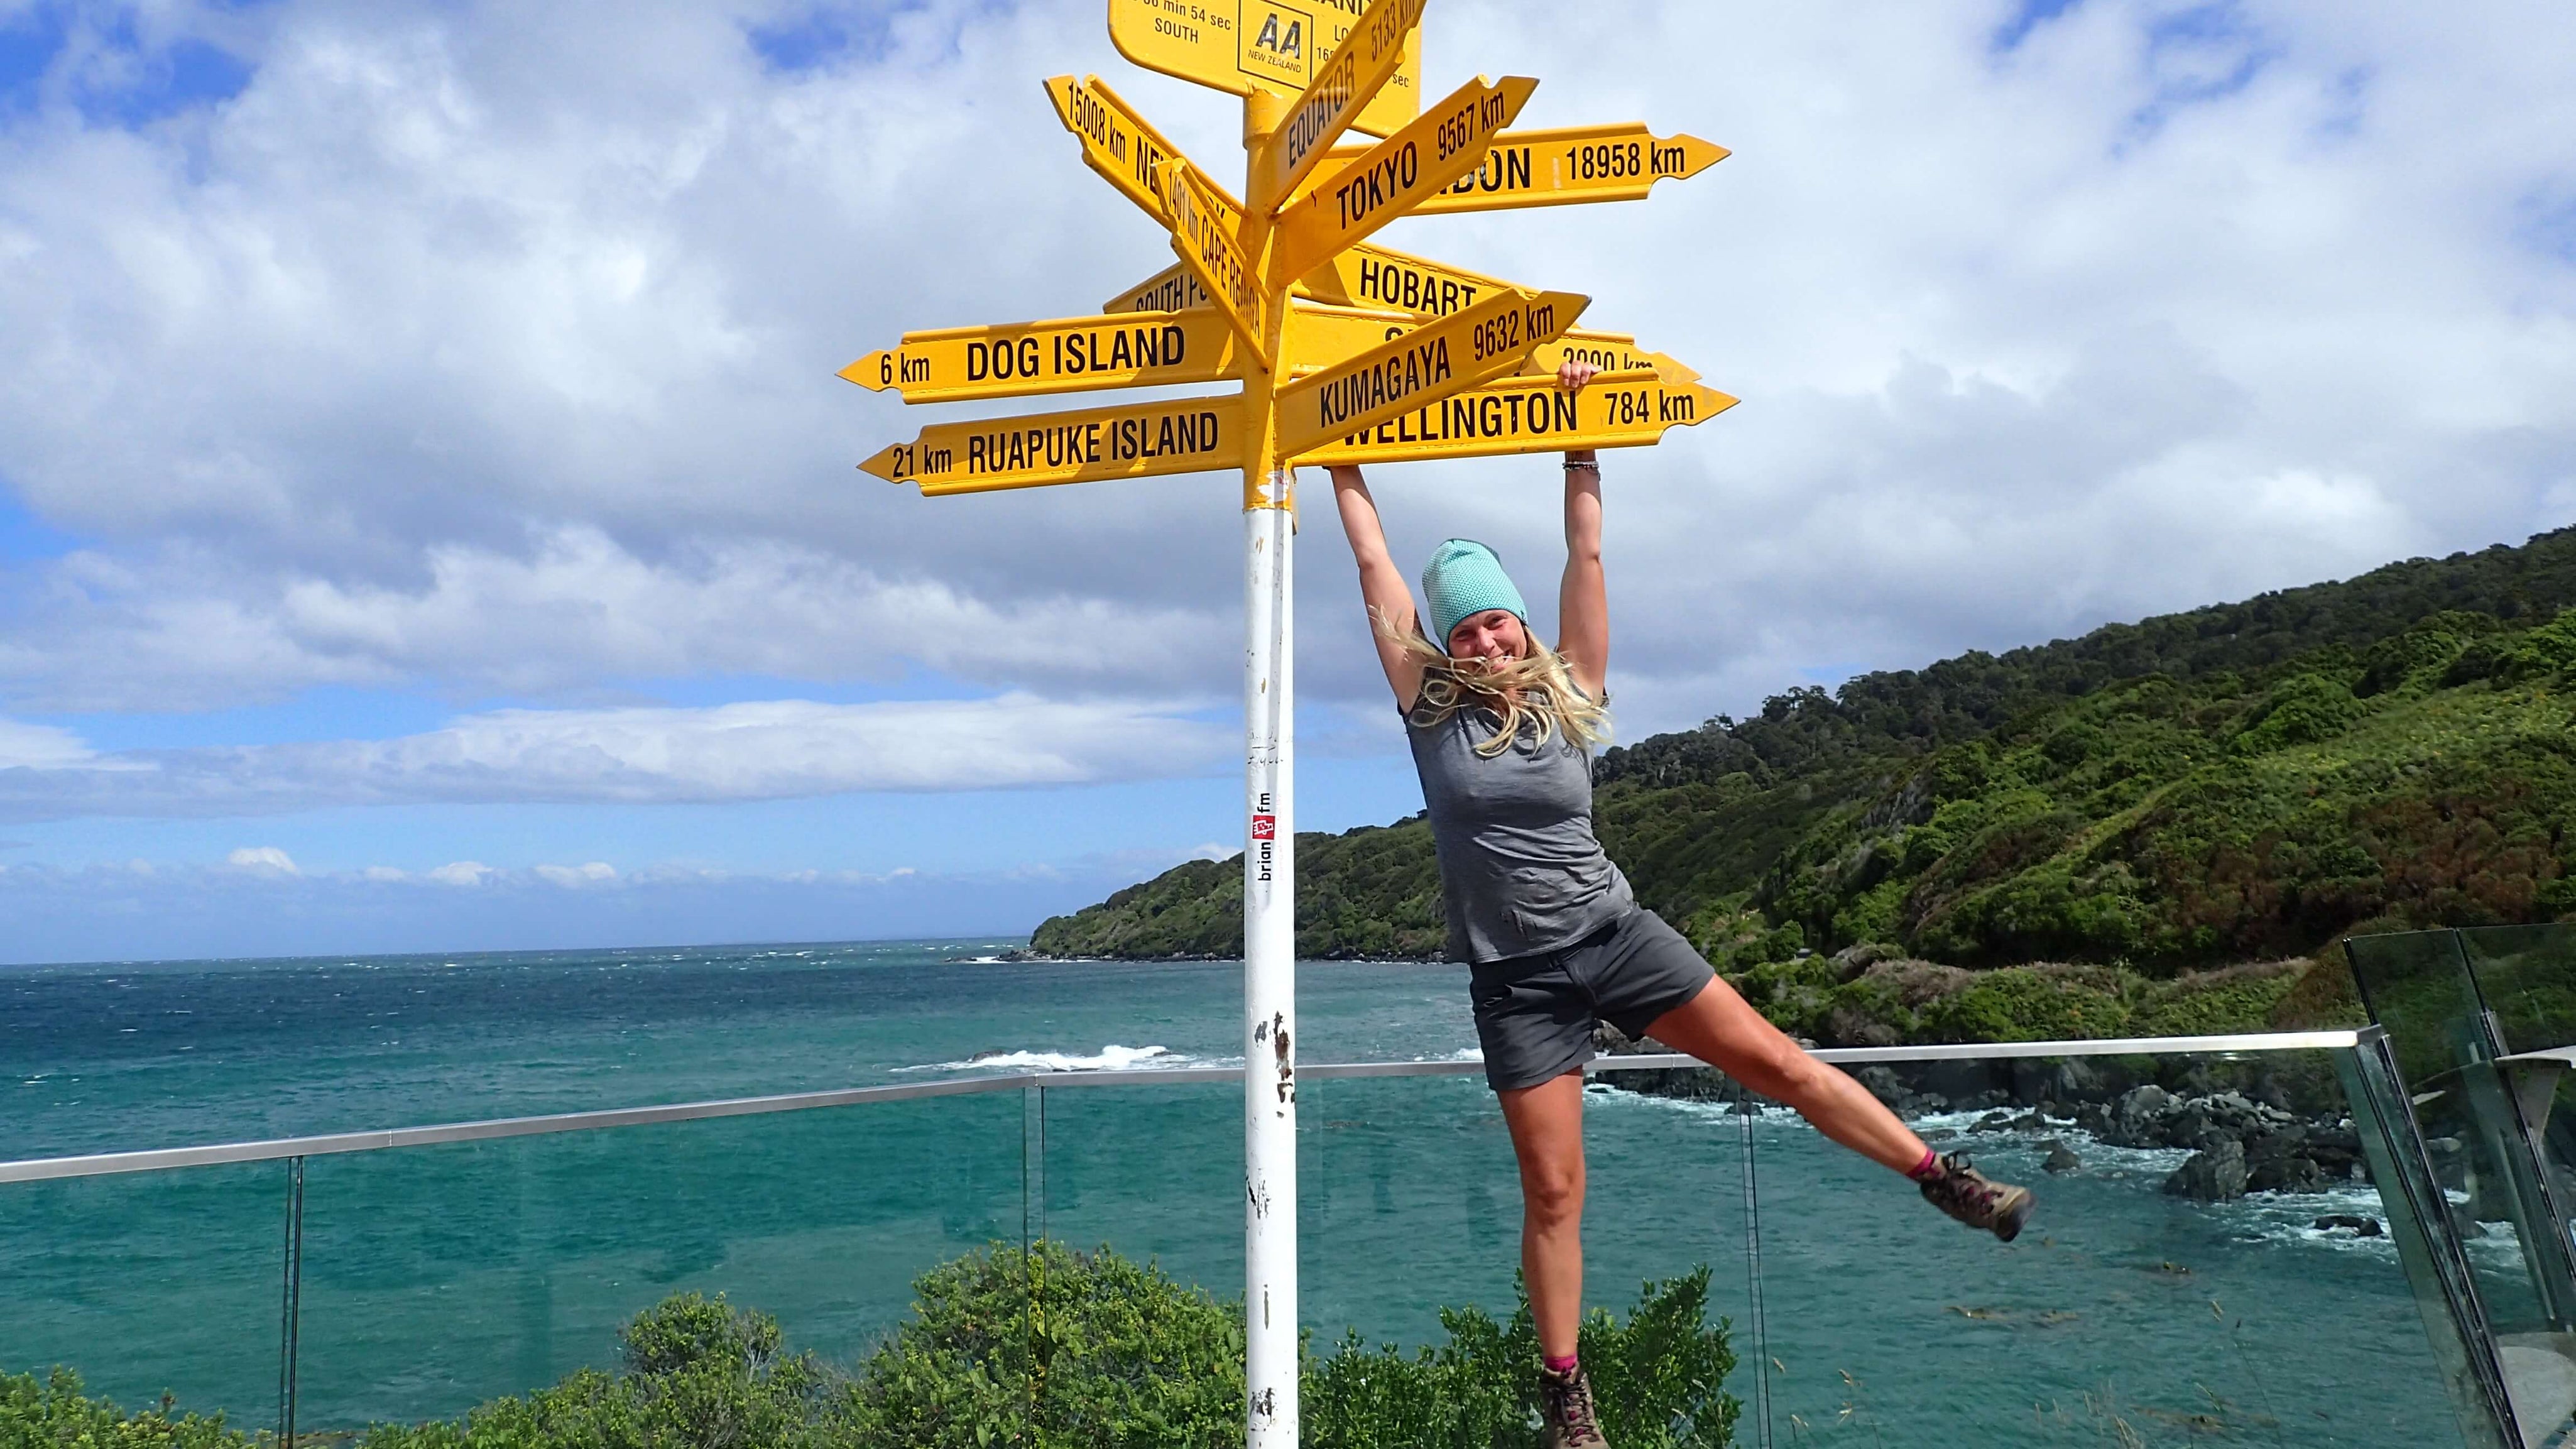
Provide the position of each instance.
(1278, 43)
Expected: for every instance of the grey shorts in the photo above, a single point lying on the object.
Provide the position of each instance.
(1535, 1014)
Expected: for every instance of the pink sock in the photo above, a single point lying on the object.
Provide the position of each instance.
(1928, 1169)
(1555, 1365)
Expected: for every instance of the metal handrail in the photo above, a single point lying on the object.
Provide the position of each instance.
(41, 1169)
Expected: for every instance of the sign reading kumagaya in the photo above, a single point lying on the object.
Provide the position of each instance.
(1559, 167)
(1397, 174)
(1530, 415)
(1030, 359)
(1488, 340)
(1244, 46)
(1187, 436)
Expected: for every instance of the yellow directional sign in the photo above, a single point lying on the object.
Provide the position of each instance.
(1609, 352)
(1321, 336)
(1361, 66)
(1121, 145)
(1170, 290)
(1204, 227)
(1364, 276)
(1411, 166)
(1373, 276)
(1243, 46)
(1029, 359)
(1188, 436)
(1488, 340)
(1561, 166)
(1530, 415)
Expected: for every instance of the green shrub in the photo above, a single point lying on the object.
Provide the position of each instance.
(2025, 1003)
(1051, 1349)
(1658, 1379)
(53, 1413)
(1057, 1347)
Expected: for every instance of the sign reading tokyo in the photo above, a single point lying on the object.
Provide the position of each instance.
(1274, 46)
(1397, 174)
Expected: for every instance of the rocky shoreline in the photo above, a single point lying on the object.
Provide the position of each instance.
(2250, 1128)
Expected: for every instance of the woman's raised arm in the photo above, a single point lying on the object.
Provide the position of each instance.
(1382, 586)
(1583, 600)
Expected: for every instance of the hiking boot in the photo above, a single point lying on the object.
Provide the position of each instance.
(1566, 1399)
(1971, 1197)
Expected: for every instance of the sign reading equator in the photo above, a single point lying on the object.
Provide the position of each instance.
(1271, 46)
(1360, 66)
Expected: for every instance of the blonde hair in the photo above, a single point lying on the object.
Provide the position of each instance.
(1535, 689)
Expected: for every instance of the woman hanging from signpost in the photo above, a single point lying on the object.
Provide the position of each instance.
(1501, 728)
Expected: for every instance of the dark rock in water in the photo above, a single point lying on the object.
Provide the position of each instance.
(2213, 1174)
(2361, 1227)
(2028, 1122)
(1931, 1102)
(1992, 1122)
(1940, 1134)
(2278, 1162)
(2059, 1159)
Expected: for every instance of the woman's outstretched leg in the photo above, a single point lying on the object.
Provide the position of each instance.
(1547, 1137)
(1719, 1027)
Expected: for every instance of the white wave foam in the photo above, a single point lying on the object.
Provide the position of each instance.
(1111, 1058)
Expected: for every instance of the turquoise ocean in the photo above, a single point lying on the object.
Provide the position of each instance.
(437, 1277)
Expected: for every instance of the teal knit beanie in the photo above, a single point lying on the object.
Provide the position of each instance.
(1464, 577)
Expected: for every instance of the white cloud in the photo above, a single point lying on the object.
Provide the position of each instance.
(772, 750)
(572, 877)
(488, 348)
(39, 746)
(460, 873)
(262, 859)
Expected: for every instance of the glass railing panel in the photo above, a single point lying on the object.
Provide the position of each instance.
(439, 1277)
(2131, 1311)
(1412, 1202)
(2417, 985)
(149, 1283)
(1155, 1172)
(2526, 975)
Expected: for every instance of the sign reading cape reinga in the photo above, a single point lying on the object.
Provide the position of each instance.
(1344, 352)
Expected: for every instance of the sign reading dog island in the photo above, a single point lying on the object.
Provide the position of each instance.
(1343, 351)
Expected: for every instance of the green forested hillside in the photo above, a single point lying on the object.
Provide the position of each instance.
(2241, 782)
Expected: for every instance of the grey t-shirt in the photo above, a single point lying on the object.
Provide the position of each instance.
(1519, 866)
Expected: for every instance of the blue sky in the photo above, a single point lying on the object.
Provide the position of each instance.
(427, 512)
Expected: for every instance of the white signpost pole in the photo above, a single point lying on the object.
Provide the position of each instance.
(1269, 976)
(1269, 894)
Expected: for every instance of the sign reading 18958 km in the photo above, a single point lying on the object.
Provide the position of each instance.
(1342, 351)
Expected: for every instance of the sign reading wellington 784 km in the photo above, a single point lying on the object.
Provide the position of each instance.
(1337, 350)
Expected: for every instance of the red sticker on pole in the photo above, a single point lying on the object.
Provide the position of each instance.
(1265, 827)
